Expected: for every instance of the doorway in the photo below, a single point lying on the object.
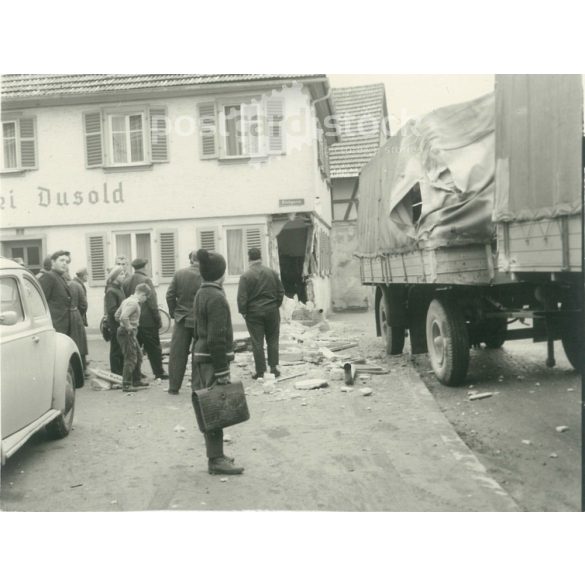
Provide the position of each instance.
(292, 253)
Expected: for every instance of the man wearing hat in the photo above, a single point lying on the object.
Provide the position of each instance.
(260, 294)
(150, 320)
(58, 293)
(213, 349)
(180, 296)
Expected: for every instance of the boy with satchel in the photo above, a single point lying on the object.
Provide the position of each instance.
(212, 352)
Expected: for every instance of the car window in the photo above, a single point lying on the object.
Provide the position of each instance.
(34, 299)
(10, 297)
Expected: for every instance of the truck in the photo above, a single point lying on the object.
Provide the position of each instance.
(470, 225)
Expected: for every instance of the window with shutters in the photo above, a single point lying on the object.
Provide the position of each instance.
(96, 264)
(167, 245)
(115, 138)
(238, 241)
(19, 149)
(134, 245)
(207, 239)
(242, 129)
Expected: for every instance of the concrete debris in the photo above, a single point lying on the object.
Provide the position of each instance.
(98, 384)
(223, 479)
(366, 391)
(336, 374)
(527, 441)
(311, 384)
(346, 388)
(480, 395)
(561, 428)
(179, 429)
(364, 377)
(553, 455)
(570, 389)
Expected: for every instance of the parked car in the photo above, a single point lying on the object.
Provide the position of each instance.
(40, 368)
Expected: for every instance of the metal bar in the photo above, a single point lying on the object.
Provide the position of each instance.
(565, 243)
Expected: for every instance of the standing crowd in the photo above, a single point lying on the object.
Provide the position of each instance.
(202, 323)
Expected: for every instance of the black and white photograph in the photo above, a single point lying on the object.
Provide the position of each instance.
(319, 325)
(293, 287)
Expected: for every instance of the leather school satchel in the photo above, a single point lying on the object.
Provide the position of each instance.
(220, 406)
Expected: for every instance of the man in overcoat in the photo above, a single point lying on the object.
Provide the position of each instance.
(58, 293)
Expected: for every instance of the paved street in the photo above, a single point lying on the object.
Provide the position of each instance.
(321, 449)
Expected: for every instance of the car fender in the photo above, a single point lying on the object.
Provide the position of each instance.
(65, 352)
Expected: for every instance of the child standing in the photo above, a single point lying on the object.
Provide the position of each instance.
(128, 315)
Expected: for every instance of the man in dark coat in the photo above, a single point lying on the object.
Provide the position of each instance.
(260, 295)
(58, 293)
(150, 321)
(180, 296)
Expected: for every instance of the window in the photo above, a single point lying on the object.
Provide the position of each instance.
(19, 144)
(239, 240)
(241, 129)
(134, 245)
(35, 301)
(10, 298)
(127, 139)
(122, 138)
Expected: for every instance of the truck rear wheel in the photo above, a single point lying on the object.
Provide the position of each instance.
(393, 336)
(447, 341)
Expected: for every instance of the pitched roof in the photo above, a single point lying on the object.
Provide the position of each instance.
(18, 86)
(360, 115)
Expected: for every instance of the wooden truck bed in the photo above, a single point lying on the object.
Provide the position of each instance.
(546, 245)
(466, 265)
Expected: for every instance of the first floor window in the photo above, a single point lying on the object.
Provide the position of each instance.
(239, 241)
(127, 138)
(19, 149)
(135, 245)
(9, 144)
(241, 129)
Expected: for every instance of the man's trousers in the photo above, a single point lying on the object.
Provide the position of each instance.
(180, 346)
(149, 338)
(260, 326)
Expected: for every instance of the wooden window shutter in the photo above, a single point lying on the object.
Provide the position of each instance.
(253, 238)
(159, 140)
(208, 239)
(92, 123)
(28, 149)
(207, 131)
(96, 258)
(275, 125)
(167, 245)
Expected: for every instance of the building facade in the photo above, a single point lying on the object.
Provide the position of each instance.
(362, 120)
(156, 165)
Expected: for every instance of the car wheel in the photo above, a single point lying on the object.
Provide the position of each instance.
(61, 426)
(447, 341)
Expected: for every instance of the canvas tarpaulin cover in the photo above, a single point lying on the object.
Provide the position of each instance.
(539, 138)
(446, 159)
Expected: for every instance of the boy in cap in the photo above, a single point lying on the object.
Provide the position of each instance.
(128, 315)
(150, 320)
(213, 348)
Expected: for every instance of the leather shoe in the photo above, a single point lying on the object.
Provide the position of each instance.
(163, 376)
(140, 384)
(172, 391)
(276, 372)
(128, 388)
(256, 376)
(223, 466)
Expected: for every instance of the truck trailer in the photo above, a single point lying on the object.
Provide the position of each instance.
(470, 220)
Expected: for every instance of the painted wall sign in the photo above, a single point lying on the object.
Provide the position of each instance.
(51, 198)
